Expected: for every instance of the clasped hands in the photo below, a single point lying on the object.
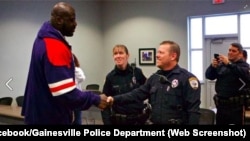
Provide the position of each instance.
(105, 101)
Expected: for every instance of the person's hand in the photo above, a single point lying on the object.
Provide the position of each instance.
(224, 59)
(110, 100)
(215, 63)
(103, 103)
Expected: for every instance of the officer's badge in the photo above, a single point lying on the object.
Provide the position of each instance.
(168, 88)
(193, 82)
(174, 83)
(134, 80)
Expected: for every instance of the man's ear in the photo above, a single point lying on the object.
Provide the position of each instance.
(59, 20)
(173, 56)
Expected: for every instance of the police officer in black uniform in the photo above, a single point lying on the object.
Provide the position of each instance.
(232, 76)
(173, 92)
(123, 78)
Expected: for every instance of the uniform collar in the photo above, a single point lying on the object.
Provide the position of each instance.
(174, 70)
(127, 70)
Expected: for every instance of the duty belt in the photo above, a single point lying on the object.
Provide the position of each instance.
(128, 116)
(174, 121)
(129, 119)
(171, 121)
(230, 101)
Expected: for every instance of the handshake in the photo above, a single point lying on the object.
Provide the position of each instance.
(105, 101)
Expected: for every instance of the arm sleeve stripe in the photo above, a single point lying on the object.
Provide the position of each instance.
(63, 91)
(57, 84)
(62, 87)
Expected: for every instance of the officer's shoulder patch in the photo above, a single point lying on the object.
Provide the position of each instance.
(193, 81)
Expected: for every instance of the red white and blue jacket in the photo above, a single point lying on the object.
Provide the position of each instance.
(51, 94)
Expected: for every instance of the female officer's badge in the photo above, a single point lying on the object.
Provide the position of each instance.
(193, 81)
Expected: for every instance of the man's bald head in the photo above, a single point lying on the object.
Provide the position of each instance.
(62, 9)
(63, 18)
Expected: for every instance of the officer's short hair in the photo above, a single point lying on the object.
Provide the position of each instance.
(121, 46)
(244, 53)
(174, 48)
(238, 45)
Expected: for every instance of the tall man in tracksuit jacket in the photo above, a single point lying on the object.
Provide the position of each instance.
(173, 92)
(51, 94)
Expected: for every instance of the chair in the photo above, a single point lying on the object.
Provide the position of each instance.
(207, 117)
(92, 87)
(6, 100)
(19, 101)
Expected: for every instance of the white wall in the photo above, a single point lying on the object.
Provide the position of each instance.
(101, 25)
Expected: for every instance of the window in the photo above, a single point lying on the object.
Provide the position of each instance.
(196, 46)
(196, 33)
(245, 30)
(221, 25)
(197, 63)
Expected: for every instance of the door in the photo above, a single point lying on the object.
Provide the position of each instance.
(212, 46)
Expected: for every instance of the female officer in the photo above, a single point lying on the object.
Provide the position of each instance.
(123, 78)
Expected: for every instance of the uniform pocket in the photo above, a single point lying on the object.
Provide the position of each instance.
(174, 97)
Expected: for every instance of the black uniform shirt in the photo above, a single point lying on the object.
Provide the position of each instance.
(119, 82)
(230, 78)
(172, 95)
